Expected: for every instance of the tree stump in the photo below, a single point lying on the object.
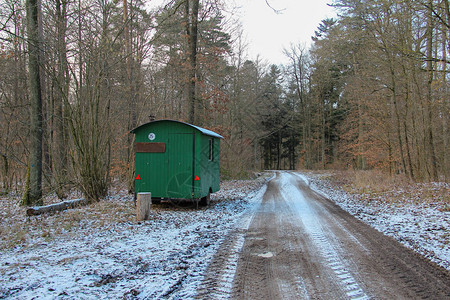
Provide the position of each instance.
(143, 205)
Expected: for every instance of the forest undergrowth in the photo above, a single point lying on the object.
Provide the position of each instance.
(367, 190)
(374, 185)
(19, 230)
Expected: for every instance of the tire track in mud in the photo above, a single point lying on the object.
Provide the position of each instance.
(388, 269)
(219, 277)
(297, 267)
(326, 246)
(218, 281)
(300, 245)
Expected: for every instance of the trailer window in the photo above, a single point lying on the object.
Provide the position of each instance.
(211, 149)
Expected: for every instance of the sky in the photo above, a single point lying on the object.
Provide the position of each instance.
(267, 32)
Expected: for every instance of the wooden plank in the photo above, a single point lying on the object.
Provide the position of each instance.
(150, 147)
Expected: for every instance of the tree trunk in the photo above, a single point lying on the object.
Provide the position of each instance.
(36, 104)
(446, 108)
(192, 32)
(447, 13)
(60, 157)
(5, 172)
(309, 139)
(407, 45)
(360, 159)
(434, 171)
(405, 129)
(34, 211)
(279, 151)
(46, 105)
(397, 115)
(130, 63)
(391, 159)
(419, 131)
(322, 150)
(131, 92)
(25, 201)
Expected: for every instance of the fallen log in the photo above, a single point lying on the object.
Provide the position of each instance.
(37, 210)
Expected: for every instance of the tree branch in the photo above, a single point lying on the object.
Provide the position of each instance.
(277, 11)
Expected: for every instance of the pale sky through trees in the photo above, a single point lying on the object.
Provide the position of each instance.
(268, 33)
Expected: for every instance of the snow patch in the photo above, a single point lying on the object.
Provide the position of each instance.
(423, 227)
(165, 257)
(265, 254)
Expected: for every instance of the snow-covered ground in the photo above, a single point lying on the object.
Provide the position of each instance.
(422, 225)
(102, 252)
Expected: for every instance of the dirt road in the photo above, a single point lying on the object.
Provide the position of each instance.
(300, 245)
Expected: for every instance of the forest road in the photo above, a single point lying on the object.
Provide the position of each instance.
(300, 245)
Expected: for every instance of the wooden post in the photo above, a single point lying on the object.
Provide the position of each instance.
(143, 205)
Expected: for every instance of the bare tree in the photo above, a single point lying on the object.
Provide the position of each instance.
(34, 195)
(62, 94)
(191, 14)
(430, 71)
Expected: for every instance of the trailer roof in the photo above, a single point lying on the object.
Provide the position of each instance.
(202, 130)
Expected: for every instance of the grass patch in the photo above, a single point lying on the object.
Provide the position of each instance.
(376, 182)
(373, 185)
(19, 230)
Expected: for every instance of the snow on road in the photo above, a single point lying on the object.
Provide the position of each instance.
(161, 258)
(313, 227)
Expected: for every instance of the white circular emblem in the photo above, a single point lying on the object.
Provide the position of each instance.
(151, 136)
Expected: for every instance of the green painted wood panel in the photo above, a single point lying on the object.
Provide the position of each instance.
(173, 174)
(180, 152)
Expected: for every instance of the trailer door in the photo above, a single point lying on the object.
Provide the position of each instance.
(180, 172)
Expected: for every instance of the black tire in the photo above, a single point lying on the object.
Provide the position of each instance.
(205, 200)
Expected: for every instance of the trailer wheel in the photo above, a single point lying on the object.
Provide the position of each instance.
(205, 200)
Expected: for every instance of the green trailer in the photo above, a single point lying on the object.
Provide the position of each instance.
(176, 160)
